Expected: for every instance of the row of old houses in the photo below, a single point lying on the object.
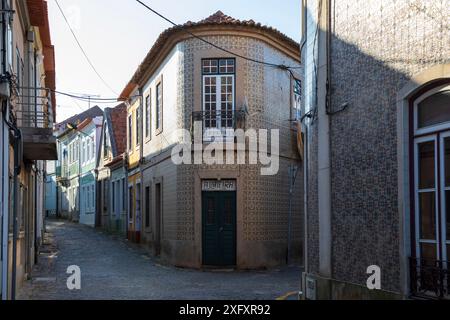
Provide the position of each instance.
(115, 168)
(91, 153)
(27, 84)
(361, 186)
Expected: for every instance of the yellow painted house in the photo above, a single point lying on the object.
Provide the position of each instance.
(134, 175)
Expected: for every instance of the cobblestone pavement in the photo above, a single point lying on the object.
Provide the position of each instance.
(111, 268)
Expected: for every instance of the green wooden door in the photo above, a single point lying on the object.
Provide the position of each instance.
(219, 228)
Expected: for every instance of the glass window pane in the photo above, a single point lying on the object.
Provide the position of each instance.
(428, 251)
(206, 65)
(434, 109)
(427, 215)
(426, 165)
(447, 161)
(214, 66)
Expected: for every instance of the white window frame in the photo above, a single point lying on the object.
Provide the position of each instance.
(159, 107)
(418, 191)
(445, 238)
(89, 151)
(130, 131)
(69, 153)
(227, 132)
(10, 40)
(430, 129)
(93, 148)
(148, 115)
(83, 197)
(83, 151)
(93, 198)
(76, 150)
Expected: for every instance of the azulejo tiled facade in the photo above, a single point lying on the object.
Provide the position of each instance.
(377, 49)
(175, 203)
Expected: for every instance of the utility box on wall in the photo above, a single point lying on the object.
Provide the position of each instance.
(5, 90)
(311, 288)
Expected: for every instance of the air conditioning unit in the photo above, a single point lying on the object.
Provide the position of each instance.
(311, 288)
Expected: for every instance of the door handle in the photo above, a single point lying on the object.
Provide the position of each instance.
(221, 229)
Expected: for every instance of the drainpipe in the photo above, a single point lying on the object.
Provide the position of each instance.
(293, 170)
(324, 157)
(5, 157)
(4, 208)
(17, 170)
(36, 245)
(125, 191)
(5, 168)
(305, 197)
(17, 135)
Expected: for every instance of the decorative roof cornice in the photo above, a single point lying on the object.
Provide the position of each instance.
(219, 19)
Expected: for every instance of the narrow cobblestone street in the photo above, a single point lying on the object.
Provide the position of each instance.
(111, 268)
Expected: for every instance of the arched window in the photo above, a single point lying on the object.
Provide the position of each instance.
(431, 194)
(432, 111)
(432, 176)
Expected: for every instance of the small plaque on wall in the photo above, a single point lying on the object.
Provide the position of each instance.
(219, 185)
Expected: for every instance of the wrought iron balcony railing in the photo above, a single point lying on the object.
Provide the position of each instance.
(35, 119)
(34, 110)
(216, 124)
(430, 278)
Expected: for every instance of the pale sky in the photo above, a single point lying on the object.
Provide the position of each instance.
(117, 34)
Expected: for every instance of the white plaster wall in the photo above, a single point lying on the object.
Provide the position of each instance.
(169, 70)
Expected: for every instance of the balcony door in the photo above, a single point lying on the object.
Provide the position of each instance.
(445, 193)
(431, 250)
(218, 98)
(432, 175)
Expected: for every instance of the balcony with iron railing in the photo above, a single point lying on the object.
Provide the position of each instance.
(35, 119)
(218, 126)
(430, 279)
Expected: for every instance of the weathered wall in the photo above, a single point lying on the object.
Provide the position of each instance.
(377, 46)
(262, 229)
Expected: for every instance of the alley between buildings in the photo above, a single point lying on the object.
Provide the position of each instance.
(112, 268)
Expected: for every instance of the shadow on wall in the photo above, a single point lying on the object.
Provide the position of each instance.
(366, 222)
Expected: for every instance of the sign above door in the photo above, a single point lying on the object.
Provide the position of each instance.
(219, 185)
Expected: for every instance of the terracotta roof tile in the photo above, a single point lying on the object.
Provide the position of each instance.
(217, 19)
(119, 126)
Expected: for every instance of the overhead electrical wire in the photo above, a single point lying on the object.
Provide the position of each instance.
(83, 51)
(93, 100)
(86, 98)
(280, 66)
